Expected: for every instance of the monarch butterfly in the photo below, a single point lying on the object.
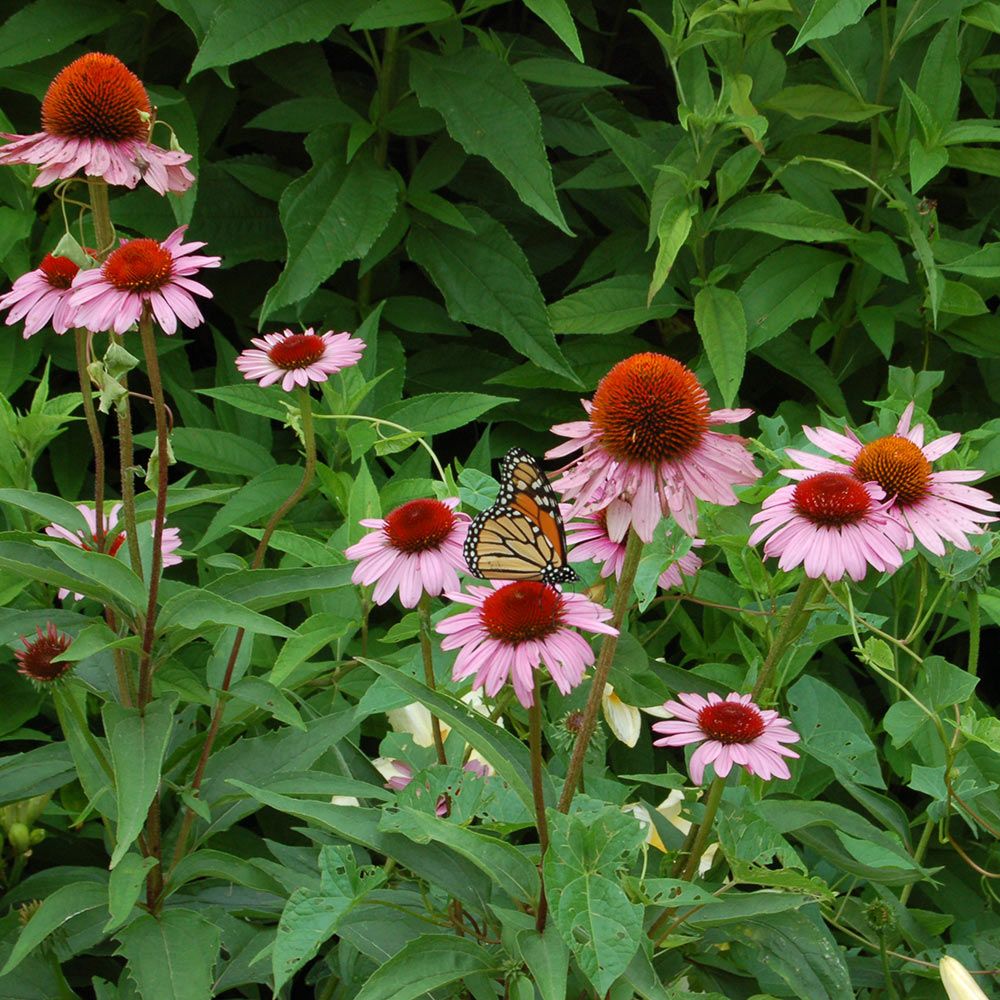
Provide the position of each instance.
(521, 536)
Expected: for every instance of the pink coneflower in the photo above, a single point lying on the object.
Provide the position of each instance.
(832, 524)
(299, 358)
(933, 505)
(588, 538)
(142, 274)
(35, 661)
(416, 550)
(648, 450)
(93, 120)
(42, 296)
(731, 731)
(113, 540)
(515, 628)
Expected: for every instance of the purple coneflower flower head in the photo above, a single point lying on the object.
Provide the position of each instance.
(648, 450)
(831, 524)
(42, 296)
(95, 118)
(517, 628)
(36, 660)
(143, 274)
(417, 549)
(731, 731)
(299, 358)
(114, 538)
(588, 538)
(935, 506)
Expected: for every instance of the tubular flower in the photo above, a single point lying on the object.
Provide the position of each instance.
(730, 731)
(832, 524)
(95, 118)
(42, 296)
(935, 506)
(623, 720)
(113, 540)
(957, 980)
(299, 358)
(515, 629)
(38, 661)
(670, 810)
(648, 450)
(142, 274)
(416, 549)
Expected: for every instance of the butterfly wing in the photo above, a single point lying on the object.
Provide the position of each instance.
(521, 537)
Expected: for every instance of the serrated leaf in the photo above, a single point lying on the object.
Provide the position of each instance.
(486, 280)
(137, 742)
(779, 216)
(398, 13)
(242, 29)
(828, 17)
(612, 305)
(812, 100)
(488, 109)
(124, 887)
(46, 26)
(194, 609)
(722, 326)
(331, 215)
(171, 957)
(557, 16)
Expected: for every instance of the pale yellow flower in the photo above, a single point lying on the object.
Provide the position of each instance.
(957, 981)
(623, 720)
(670, 810)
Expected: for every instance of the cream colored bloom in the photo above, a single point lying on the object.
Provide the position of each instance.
(415, 719)
(957, 981)
(670, 810)
(623, 720)
(344, 800)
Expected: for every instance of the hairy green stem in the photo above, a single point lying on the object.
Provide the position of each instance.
(918, 857)
(795, 618)
(94, 429)
(623, 600)
(974, 629)
(309, 443)
(427, 650)
(541, 823)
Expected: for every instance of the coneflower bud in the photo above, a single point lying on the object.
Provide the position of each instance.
(38, 661)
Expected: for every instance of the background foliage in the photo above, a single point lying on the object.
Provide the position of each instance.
(797, 199)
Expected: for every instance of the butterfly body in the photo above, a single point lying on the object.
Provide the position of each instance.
(521, 537)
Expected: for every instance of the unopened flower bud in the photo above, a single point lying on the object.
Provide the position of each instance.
(37, 836)
(20, 838)
(957, 981)
(880, 916)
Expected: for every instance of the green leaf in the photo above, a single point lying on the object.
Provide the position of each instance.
(828, 17)
(486, 280)
(790, 355)
(564, 73)
(49, 508)
(195, 609)
(672, 230)
(124, 887)
(137, 742)
(490, 112)
(609, 306)
(242, 29)
(557, 16)
(65, 902)
(311, 917)
(171, 957)
(504, 752)
(215, 451)
(426, 963)
(503, 862)
(587, 903)
(779, 216)
(260, 694)
(722, 326)
(547, 959)
(315, 633)
(260, 498)
(47, 26)
(940, 80)
(812, 100)
(786, 286)
(438, 412)
(398, 13)
(332, 214)
(832, 733)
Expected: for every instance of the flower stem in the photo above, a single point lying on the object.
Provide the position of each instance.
(918, 858)
(699, 841)
(100, 207)
(623, 600)
(162, 450)
(890, 987)
(795, 618)
(309, 441)
(974, 627)
(96, 441)
(428, 652)
(541, 823)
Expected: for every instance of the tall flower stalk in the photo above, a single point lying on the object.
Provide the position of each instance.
(623, 600)
(538, 794)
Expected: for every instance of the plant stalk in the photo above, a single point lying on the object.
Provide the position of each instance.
(541, 823)
(428, 653)
(795, 617)
(623, 601)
